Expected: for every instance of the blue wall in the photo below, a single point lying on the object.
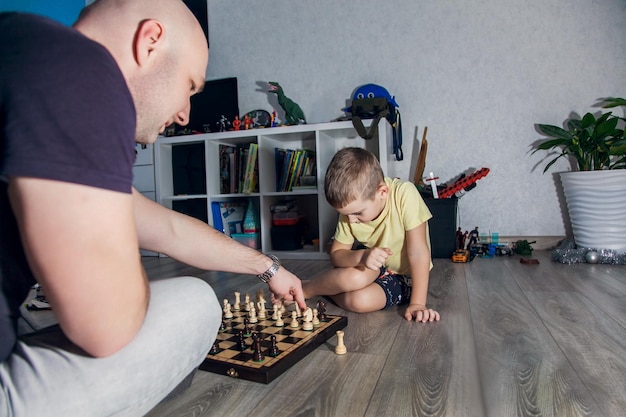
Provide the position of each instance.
(65, 11)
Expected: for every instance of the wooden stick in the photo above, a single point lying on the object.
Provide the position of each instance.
(421, 160)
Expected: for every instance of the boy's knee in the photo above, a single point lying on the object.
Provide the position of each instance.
(355, 279)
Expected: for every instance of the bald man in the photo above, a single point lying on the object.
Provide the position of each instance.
(73, 102)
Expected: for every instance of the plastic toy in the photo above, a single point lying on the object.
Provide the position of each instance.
(460, 255)
(463, 183)
(371, 101)
(236, 123)
(293, 113)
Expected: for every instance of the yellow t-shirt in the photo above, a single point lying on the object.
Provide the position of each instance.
(404, 210)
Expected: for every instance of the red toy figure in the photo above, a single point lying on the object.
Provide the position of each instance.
(236, 123)
(246, 122)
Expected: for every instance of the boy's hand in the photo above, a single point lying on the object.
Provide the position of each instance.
(419, 312)
(375, 258)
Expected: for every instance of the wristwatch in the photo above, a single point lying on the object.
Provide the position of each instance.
(265, 276)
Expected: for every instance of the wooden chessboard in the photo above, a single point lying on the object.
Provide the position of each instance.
(293, 345)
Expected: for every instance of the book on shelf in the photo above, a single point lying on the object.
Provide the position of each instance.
(228, 216)
(235, 162)
(291, 165)
(250, 183)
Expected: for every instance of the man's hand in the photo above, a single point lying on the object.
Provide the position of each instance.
(419, 312)
(375, 258)
(285, 286)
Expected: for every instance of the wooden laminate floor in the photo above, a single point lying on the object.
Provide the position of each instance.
(514, 340)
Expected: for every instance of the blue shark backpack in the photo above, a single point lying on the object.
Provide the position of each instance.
(371, 101)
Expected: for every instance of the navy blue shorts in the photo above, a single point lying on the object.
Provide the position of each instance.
(397, 287)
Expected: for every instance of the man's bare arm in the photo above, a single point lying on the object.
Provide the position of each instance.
(189, 240)
(81, 244)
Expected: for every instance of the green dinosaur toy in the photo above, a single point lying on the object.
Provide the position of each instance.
(293, 113)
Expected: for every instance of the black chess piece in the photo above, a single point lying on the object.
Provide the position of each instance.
(247, 331)
(223, 327)
(241, 342)
(257, 356)
(215, 348)
(321, 310)
(273, 350)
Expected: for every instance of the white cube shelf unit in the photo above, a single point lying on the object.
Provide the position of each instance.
(324, 138)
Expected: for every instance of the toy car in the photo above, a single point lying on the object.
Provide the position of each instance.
(502, 250)
(460, 255)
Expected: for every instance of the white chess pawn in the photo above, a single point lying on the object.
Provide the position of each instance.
(298, 311)
(228, 314)
(279, 320)
(316, 320)
(275, 313)
(340, 349)
(247, 302)
(294, 320)
(253, 318)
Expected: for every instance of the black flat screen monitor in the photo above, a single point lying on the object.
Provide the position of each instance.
(219, 97)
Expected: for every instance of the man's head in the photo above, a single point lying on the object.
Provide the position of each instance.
(355, 184)
(161, 50)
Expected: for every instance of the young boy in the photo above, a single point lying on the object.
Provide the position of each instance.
(387, 218)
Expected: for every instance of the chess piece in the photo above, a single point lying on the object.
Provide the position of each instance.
(215, 348)
(237, 305)
(321, 308)
(253, 317)
(223, 326)
(262, 312)
(228, 314)
(247, 302)
(316, 320)
(307, 318)
(273, 350)
(340, 349)
(279, 321)
(257, 356)
(294, 320)
(298, 311)
(275, 313)
(247, 331)
(241, 341)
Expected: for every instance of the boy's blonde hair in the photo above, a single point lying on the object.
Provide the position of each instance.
(353, 173)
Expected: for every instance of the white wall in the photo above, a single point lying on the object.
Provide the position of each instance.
(478, 73)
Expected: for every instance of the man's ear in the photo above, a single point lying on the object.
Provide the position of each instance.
(150, 36)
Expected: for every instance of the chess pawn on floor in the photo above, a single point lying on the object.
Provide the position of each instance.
(279, 321)
(307, 318)
(340, 349)
(294, 320)
(316, 320)
(237, 305)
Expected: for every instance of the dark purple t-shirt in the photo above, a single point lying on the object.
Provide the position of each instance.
(65, 114)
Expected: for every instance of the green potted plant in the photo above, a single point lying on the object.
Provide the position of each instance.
(595, 191)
